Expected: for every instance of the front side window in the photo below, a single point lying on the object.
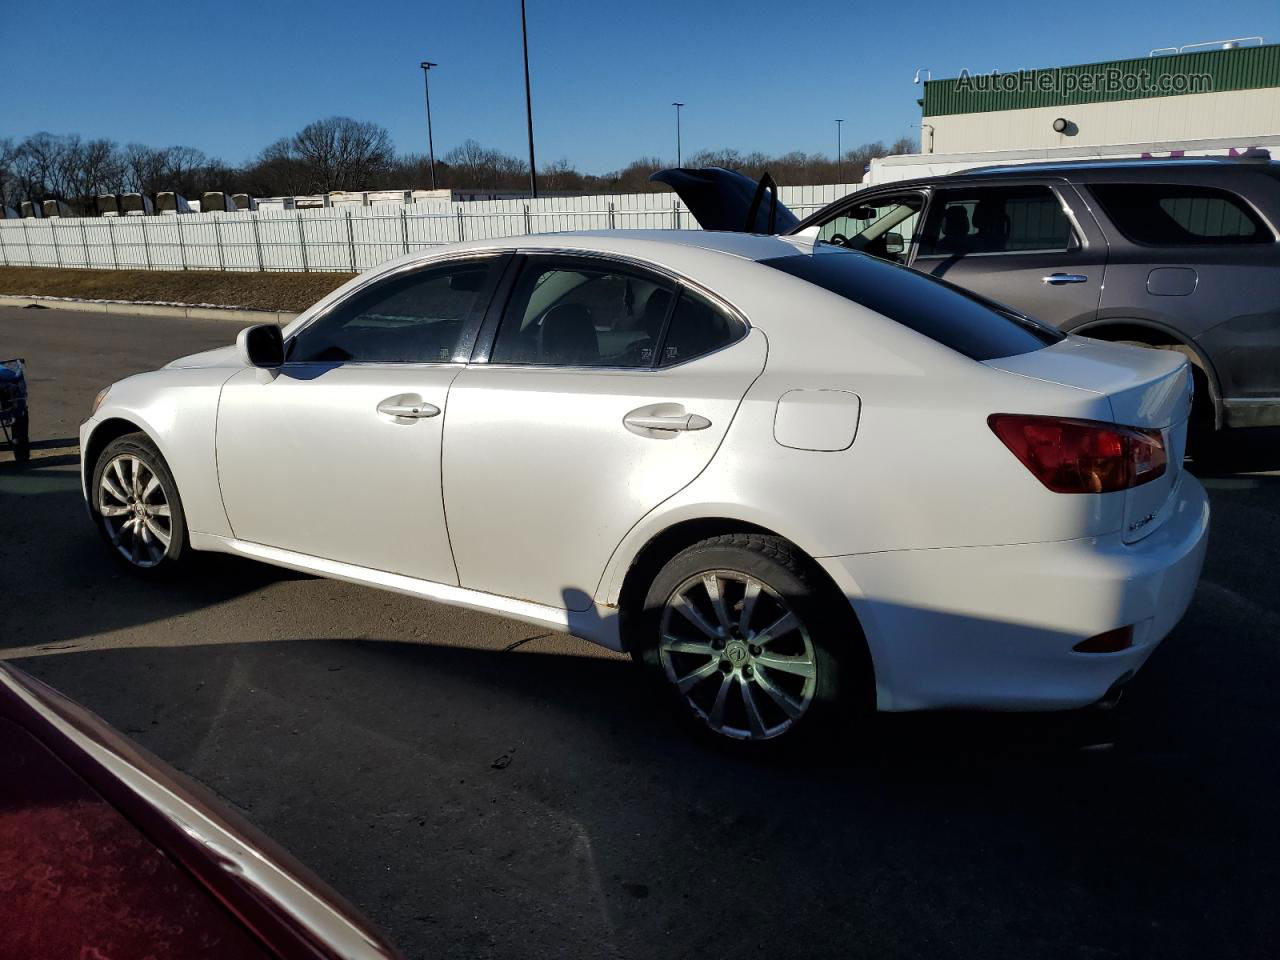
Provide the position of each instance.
(996, 220)
(1175, 215)
(582, 316)
(419, 317)
(883, 227)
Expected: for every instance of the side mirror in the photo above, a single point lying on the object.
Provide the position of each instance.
(261, 345)
(893, 243)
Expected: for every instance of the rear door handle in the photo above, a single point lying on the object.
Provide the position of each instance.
(1058, 279)
(689, 421)
(409, 406)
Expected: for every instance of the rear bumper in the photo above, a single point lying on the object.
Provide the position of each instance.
(994, 627)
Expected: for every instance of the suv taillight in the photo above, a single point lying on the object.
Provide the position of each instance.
(1082, 456)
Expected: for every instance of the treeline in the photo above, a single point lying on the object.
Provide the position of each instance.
(344, 154)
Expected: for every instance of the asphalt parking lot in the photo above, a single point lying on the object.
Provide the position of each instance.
(479, 790)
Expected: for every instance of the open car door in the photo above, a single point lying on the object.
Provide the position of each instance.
(721, 199)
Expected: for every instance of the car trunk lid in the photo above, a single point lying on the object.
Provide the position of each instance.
(721, 199)
(1150, 389)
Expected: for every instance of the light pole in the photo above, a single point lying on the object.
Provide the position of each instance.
(839, 155)
(528, 102)
(431, 145)
(677, 104)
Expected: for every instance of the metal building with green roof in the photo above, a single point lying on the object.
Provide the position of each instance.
(1232, 91)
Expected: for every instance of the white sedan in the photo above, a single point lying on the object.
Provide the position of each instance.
(796, 482)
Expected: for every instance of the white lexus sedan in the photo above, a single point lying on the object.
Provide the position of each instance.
(796, 482)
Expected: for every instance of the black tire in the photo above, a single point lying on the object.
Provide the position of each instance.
(21, 439)
(160, 560)
(842, 688)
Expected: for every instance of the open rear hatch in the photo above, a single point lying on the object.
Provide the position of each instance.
(1150, 389)
(721, 199)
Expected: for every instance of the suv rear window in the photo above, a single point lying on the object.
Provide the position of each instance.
(1176, 215)
(939, 310)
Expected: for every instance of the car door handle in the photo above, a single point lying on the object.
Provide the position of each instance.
(409, 406)
(1058, 279)
(689, 421)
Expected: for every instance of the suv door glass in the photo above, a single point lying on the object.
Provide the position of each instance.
(582, 316)
(418, 317)
(883, 227)
(985, 220)
(1176, 215)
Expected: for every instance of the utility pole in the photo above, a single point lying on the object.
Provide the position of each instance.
(677, 104)
(839, 155)
(528, 102)
(431, 145)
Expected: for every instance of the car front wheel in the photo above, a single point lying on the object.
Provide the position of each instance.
(749, 644)
(135, 504)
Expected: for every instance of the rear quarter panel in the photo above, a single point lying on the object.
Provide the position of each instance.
(924, 469)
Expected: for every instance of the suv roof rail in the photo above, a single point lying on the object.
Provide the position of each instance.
(1251, 155)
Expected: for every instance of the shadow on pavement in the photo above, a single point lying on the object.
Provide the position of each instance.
(498, 804)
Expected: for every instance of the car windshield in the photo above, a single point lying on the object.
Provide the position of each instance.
(968, 324)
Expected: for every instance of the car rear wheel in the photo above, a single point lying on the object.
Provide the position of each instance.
(135, 504)
(746, 643)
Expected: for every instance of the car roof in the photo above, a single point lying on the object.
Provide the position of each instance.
(1155, 168)
(1142, 163)
(653, 244)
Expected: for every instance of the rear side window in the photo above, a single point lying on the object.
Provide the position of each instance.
(985, 220)
(697, 327)
(1175, 215)
(942, 312)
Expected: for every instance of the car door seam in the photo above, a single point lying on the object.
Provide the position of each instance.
(711, 459)
(217, 465)
(444, 506)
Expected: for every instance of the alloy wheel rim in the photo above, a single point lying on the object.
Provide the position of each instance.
(135, 510)
(738, 655)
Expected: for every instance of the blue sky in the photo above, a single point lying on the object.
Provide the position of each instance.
(232, 76)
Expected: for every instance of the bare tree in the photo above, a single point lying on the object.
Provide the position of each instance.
(10, 190)
(339, 153)
(343, 154)
(144, 168)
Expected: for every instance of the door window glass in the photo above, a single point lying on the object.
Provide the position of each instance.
(697, 327)
(987, 220)
(1174, 215)
(418, 317)
(884, 227)
(582, 316)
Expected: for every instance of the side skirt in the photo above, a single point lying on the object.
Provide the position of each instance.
(598, 624)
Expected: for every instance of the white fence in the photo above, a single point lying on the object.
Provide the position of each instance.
(334, 239)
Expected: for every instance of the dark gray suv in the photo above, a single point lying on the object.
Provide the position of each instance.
(1178, 254)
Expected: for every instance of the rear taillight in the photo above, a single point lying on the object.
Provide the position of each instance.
(1082, 456)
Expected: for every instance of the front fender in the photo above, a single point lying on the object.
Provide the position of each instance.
(178, 410)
